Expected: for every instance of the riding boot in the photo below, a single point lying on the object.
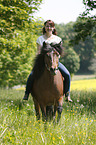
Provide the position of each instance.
(67, 97)
(29, 85)
(66, 83)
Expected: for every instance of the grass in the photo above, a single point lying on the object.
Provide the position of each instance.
(89, 85)
(18, 124)
(84, 77)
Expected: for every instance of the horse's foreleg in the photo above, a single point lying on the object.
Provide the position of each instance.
(54, 113)
(49, 112)
(37, 109)
(59, 108)
(44, 116)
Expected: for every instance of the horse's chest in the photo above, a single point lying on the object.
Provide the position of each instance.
(49, 88)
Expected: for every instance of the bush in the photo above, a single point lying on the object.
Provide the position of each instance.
(71, 60)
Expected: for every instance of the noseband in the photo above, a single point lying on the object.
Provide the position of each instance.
(50, 68)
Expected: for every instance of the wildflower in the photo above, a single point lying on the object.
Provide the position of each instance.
(76, 124)
(82, 106)
(60, 137)
(91, 120)
(83, 133)
(28, 105)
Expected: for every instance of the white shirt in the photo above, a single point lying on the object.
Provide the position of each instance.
(49, 40)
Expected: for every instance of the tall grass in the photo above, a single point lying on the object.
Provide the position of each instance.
(18, 124)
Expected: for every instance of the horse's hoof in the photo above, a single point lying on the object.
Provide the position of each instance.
(26, 97)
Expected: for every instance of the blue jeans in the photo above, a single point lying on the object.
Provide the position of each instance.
(65, 73)
(67, 79)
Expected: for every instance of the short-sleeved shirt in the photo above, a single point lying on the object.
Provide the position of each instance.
(49, 40)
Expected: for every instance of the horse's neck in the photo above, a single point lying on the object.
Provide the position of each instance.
(48, 77)
(47, 74)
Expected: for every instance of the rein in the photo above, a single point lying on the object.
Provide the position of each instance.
(47, 48)
(50, 68)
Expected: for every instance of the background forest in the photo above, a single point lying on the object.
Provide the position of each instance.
(19, 31)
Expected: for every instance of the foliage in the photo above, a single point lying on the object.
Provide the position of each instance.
(16, 14)
(71, 60)
(93, 65)
(86, 51)
(18, 32)
(90, 5)
(16, 59)
(86, 23)
(19, 125)
(66, 32)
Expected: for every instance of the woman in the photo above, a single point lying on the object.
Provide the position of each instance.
(50, 36)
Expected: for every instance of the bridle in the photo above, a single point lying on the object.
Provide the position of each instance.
(50, 68)
(54, 71)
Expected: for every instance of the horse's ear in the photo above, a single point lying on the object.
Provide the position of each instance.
(60, 43)
(43, 47)
(44, 44)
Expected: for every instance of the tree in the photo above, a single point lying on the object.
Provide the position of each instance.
(85, 50)
(71, 61)
(18, 32)
(93, 65)
(16, 14)
(85, 23)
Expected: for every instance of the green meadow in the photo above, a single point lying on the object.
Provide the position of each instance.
(18, 124)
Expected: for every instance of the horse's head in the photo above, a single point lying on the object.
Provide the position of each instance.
(51, 57)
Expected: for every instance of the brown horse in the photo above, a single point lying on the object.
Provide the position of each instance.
(47, 88)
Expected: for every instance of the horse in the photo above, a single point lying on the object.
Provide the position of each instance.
(47, 90)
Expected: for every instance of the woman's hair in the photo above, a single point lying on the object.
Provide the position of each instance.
(51, 23)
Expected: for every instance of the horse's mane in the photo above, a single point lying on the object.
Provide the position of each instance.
(39, 64)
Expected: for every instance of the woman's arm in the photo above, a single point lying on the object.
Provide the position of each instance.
(38, 48)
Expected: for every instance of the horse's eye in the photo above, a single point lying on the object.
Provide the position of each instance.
(48, 55)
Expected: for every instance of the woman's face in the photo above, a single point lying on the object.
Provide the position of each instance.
(48, 28)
